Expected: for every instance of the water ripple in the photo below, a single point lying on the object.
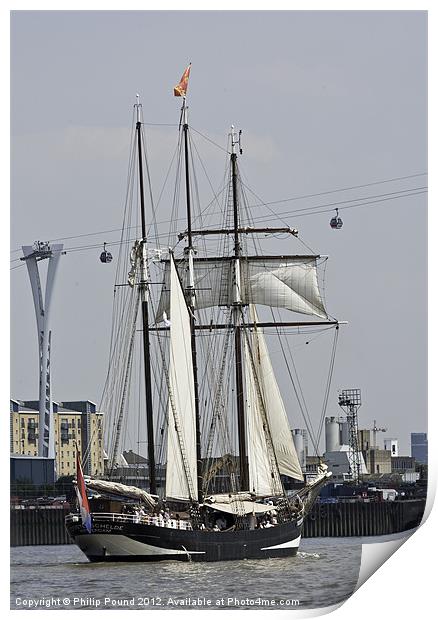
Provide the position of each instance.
(62, 571)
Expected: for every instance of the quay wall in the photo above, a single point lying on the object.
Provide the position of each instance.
(45, 526)
(38, 526)
(363, 518)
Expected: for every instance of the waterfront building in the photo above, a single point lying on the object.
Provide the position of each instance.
(402, 464)
(340, 463)
(392, 446)
(76, 423)
(38, 470)
(405, 466)
(135, 460)
(132, 469)
(312, 463)
(378, 461)
(419, 447)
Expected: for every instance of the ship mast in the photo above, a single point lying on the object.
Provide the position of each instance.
(144, 295)
(237, 315)
(189, 250)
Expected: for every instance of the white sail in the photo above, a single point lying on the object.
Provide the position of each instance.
(291, 284)
(181, 436)
(262, 384)
(288, 282)
(261, 473)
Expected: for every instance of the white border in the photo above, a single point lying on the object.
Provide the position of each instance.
(405, 585)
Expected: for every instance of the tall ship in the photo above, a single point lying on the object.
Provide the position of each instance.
(195, 316)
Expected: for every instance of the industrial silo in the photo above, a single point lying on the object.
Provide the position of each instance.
(332, 436)
(300, 446)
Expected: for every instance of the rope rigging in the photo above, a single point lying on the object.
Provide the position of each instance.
(219, 415)
(328, 385)
(289, 359)
(312, 210)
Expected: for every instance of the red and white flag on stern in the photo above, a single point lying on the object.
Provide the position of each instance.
(81, 493)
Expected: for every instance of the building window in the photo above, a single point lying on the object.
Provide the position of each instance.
(64, 430)
(31, 430)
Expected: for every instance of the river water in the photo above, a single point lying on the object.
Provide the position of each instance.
(324, 572)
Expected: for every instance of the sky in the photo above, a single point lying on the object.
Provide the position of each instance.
(326, 100)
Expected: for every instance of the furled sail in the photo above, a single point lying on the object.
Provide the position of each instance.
(240, 503)
(181, 437)
(289, 282)
(116, 488)
(265, 404)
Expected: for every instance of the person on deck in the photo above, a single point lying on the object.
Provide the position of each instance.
(221, 523)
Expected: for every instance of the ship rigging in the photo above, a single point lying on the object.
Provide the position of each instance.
(212, 401)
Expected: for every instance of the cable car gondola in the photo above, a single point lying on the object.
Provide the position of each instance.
(106, 257)
(336, 221)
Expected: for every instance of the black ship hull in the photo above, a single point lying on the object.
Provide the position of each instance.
(110, 541)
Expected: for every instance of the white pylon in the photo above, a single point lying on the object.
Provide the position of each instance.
(32, 255)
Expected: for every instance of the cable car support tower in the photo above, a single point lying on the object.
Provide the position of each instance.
(32, 255)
